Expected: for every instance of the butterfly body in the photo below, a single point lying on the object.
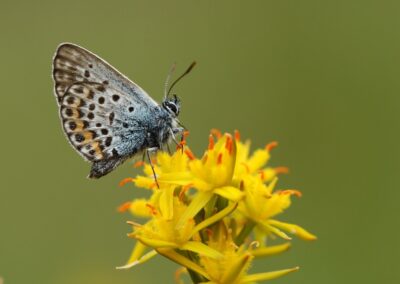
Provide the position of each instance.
(106, 117)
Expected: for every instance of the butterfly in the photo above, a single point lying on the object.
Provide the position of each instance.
(106, 117)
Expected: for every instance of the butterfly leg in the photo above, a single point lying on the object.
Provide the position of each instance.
(177, 130)
(148, 151)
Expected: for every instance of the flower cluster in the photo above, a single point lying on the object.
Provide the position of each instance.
(212, 215)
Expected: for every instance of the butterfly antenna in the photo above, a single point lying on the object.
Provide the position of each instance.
(180, 77)
(167, 80)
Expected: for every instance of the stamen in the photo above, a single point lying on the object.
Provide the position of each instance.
(209, 232)
(237, 135)
(281, 170)
(219, 159)
(254, 244)
(291, 192)
(189, 154)
(124, 207)
(153, 210)
(211, 142)
(138, 164)
(229, 143)
(241, 186)
(186, 133)
(184, 189)
(262, 175)
(134, 224)
(180, 145)
(125, 181)
(178, 273)
(216, 133)
(271, 145)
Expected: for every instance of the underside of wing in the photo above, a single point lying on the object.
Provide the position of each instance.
(73, 64)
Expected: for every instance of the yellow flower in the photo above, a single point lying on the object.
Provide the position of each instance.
(261, 204)
(162, 233)
(169, 169)
(233, 266)
(213, 175)
(203, 213)
(247, 164)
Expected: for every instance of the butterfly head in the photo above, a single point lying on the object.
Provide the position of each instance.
(172, 105)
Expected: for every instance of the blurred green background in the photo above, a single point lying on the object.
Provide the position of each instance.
(321, 77)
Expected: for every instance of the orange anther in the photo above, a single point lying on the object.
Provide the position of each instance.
(211, 142)
(237, 135)
(138, 164)
(271, 145)
(185, 133)
(125, 181)
(228, 143)
(216, 133)
(219, 159)
(291, 192)
(190, 154)
(153, 210)
(262, 175)
(281, 170)
(241, 186)
(184, 189)
(124, 207)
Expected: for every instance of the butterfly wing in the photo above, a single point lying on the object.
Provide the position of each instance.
(102, 112)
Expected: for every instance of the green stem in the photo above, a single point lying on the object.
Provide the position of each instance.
(196, 278)
(245, 232)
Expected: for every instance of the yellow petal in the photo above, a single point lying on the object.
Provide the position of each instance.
(230, 193)
(271, 229)
(294, 229)
(184, 261)
(167, 202)
(201, 249)
(155, 243)
(143, 259)
(267, 275)
(137, 252)
(214, 218)
(178, 178)
(139, 207)
(198, 202)
(270, 250)
(237, 268)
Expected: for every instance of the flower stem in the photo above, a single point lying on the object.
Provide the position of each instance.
(245, 232)
(196, 278)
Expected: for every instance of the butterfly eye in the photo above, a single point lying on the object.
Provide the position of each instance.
(171, 107)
